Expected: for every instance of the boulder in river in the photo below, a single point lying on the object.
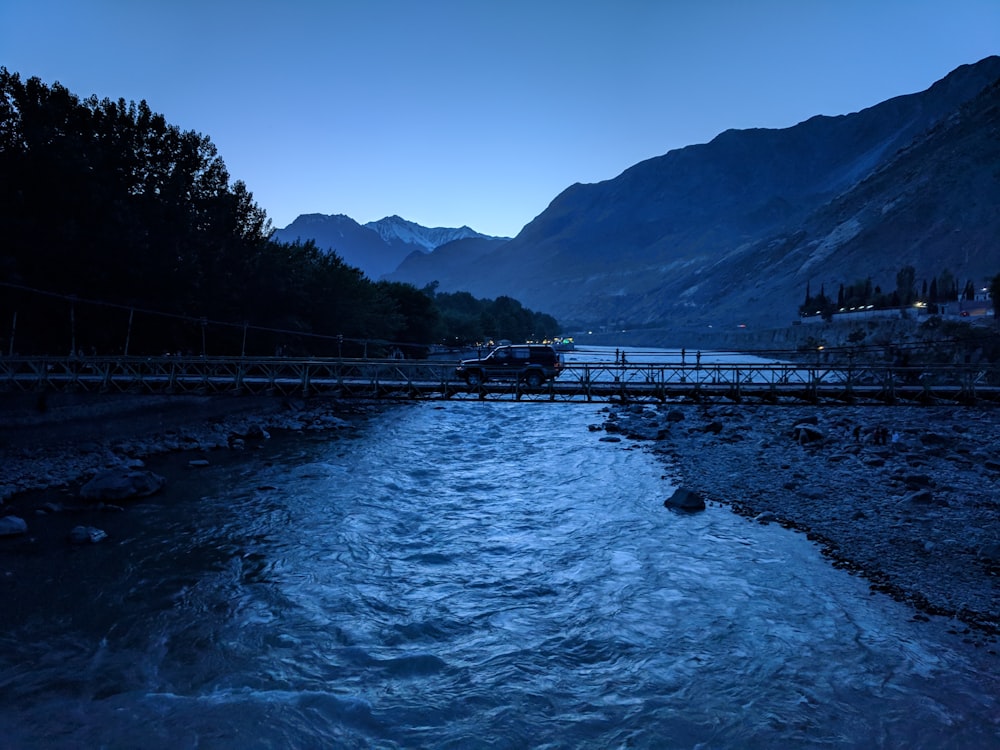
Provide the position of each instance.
(12, 526)
(87, 535)
(121, 484)
(686, 500)
(806, 432)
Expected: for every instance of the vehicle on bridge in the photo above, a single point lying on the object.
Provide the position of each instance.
(532, 364)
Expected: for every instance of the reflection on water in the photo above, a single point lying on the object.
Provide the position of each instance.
(469, 575)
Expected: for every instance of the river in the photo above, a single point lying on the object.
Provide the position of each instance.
(467, 575)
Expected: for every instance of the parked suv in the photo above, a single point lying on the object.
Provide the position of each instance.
(531, 363)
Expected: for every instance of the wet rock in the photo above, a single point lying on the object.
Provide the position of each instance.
(989, 553)
(933, 438)
(256, 432)
(920, 497)
(610, 439)
(686, 500)
(198, 462)
(12, 526)
(87, 535)
(807, 432)
(675, 415)
(713, 427)
(121, 484)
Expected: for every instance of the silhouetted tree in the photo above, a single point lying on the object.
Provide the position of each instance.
(947, 286)
(995, 296)
(904, 285)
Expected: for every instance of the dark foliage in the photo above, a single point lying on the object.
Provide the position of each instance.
(123, 233)
(861, 294)
(468, 320)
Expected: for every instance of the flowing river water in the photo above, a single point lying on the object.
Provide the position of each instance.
(467, 575)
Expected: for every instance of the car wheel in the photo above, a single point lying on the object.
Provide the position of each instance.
(533, 379)
(473, 378)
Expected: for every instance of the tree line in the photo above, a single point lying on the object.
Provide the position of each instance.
(110, 212)
(862, 294)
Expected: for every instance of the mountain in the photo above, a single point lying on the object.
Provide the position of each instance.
(934, 205)
(732, 230)
(359, 246)
(421, 269)
(377, 247)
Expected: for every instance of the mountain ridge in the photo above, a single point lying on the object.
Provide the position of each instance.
(651, 244)
(394, 229)
(378, 247)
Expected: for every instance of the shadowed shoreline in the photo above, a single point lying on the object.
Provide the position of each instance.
(917, 518)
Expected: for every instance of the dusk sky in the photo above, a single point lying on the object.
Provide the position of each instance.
(480, 112)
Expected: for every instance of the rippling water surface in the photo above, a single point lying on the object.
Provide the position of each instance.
(468, 575)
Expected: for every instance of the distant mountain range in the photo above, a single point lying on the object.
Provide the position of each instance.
(377, 247)
(730, 232)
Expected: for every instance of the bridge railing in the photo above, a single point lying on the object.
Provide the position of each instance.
(736, 380)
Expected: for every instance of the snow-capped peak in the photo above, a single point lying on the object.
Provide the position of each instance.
(394, 229)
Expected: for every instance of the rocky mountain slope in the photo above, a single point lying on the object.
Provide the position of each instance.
(421, 269)
(731, 231)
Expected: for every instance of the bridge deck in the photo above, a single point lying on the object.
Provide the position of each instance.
(734, 382)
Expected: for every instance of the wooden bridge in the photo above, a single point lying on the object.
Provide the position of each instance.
(579, 381)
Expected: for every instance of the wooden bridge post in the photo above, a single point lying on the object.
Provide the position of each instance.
(890, 390)
(968, 389)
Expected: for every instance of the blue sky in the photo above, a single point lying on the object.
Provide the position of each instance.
(480, 112)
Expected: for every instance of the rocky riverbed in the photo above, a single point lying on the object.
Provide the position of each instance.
(913, 507)
(907, 497)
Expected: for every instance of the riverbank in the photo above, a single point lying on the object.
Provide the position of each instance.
(916, 514)
(68, 441)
